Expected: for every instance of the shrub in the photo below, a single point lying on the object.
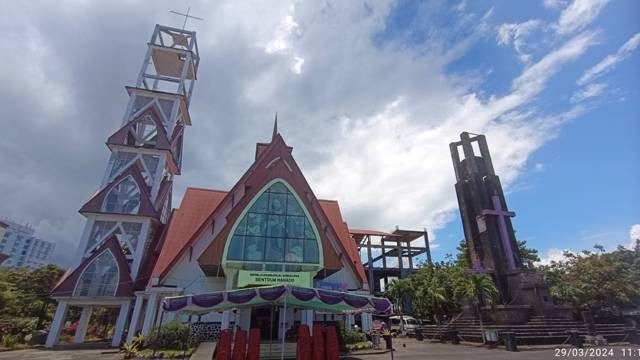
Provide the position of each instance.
(10, 341)
(352, 337)
(169, 336)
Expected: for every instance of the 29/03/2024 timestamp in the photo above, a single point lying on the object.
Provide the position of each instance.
(630, 352)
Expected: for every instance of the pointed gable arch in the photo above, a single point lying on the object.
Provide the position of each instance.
(96, 275)
(100, 277)
(145, 130)
(146, 208)
(274, 228)
(274, 162)
(123, 197)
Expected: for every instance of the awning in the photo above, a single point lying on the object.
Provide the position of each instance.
(295, 296)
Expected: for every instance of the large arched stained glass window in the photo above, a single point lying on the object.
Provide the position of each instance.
(100, 278)
(124, 198)
(275, 229)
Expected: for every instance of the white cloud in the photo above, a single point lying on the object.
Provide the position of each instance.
(611, 60)
(296, 66)
(634, 234)
(578, 15)
(370, 123)
(515, 34)
(554, 4)
(590, 91)
(534, 78)
(286, 30)
(366, 148)
(553, 254)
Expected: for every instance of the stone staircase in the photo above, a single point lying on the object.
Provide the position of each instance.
(537, 331)
(272, 351)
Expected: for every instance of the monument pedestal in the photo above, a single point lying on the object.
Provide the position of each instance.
(527, 287)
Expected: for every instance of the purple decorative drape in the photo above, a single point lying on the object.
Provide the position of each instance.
(174, 304)
(356, 301)
(330, 298)
(276, 295)
(207, 300)
(380, 304)
(273, 293)
(303, 294)
(242, 296)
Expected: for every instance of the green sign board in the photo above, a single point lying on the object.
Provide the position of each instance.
(250, 277)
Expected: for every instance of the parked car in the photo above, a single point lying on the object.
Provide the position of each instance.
(404, 323)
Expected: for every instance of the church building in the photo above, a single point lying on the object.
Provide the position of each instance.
(268, 229)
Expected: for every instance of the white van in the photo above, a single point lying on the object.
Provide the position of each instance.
(405, 323)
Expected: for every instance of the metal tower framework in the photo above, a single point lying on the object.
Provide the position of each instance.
(133, 202)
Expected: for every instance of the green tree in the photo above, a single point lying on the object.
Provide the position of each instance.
(24, 293)
(599, 281)
(526, 253)
(478, 288)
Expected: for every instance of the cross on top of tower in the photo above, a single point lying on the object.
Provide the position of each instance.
(186, 16)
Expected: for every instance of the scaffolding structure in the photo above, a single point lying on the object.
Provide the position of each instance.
(388, 256)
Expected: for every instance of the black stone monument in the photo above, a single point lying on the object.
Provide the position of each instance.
(490, 238)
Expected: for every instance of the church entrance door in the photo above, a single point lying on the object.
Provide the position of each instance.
(265, 318)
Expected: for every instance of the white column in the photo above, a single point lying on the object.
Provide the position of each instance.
(150, 314)
(57, 323)
(135, 318)
(348, 321)
(225, 319)
(121, 323)
(307, 319)
(367, 321)
(83, 323)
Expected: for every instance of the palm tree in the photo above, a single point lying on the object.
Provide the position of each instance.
(398, 290)
(476, 288)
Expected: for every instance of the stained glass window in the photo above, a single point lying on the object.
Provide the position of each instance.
(123, 198)
(100, 278)
(274, 229)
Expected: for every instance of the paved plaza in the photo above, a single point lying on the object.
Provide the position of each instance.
(412, 350)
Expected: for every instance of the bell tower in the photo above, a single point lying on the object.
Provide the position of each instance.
(490, 238)
(133, 200)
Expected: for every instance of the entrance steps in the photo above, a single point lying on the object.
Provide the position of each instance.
(537, 331)
(272, 350)
(268, 350)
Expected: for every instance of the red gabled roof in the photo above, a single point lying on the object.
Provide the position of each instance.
(332, 209)
(196, 206)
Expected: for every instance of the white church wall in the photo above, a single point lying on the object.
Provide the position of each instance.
(344, 276)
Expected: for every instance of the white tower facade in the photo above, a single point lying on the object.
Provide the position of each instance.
(125, 216)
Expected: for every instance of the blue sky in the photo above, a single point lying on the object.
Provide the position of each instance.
(583, 187)
(368, 93)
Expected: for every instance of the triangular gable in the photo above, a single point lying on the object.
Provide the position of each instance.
(276, 162)
(67, 284)
(162, 142)
(94, 205)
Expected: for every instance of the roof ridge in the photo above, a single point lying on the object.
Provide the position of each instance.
(206, 189)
